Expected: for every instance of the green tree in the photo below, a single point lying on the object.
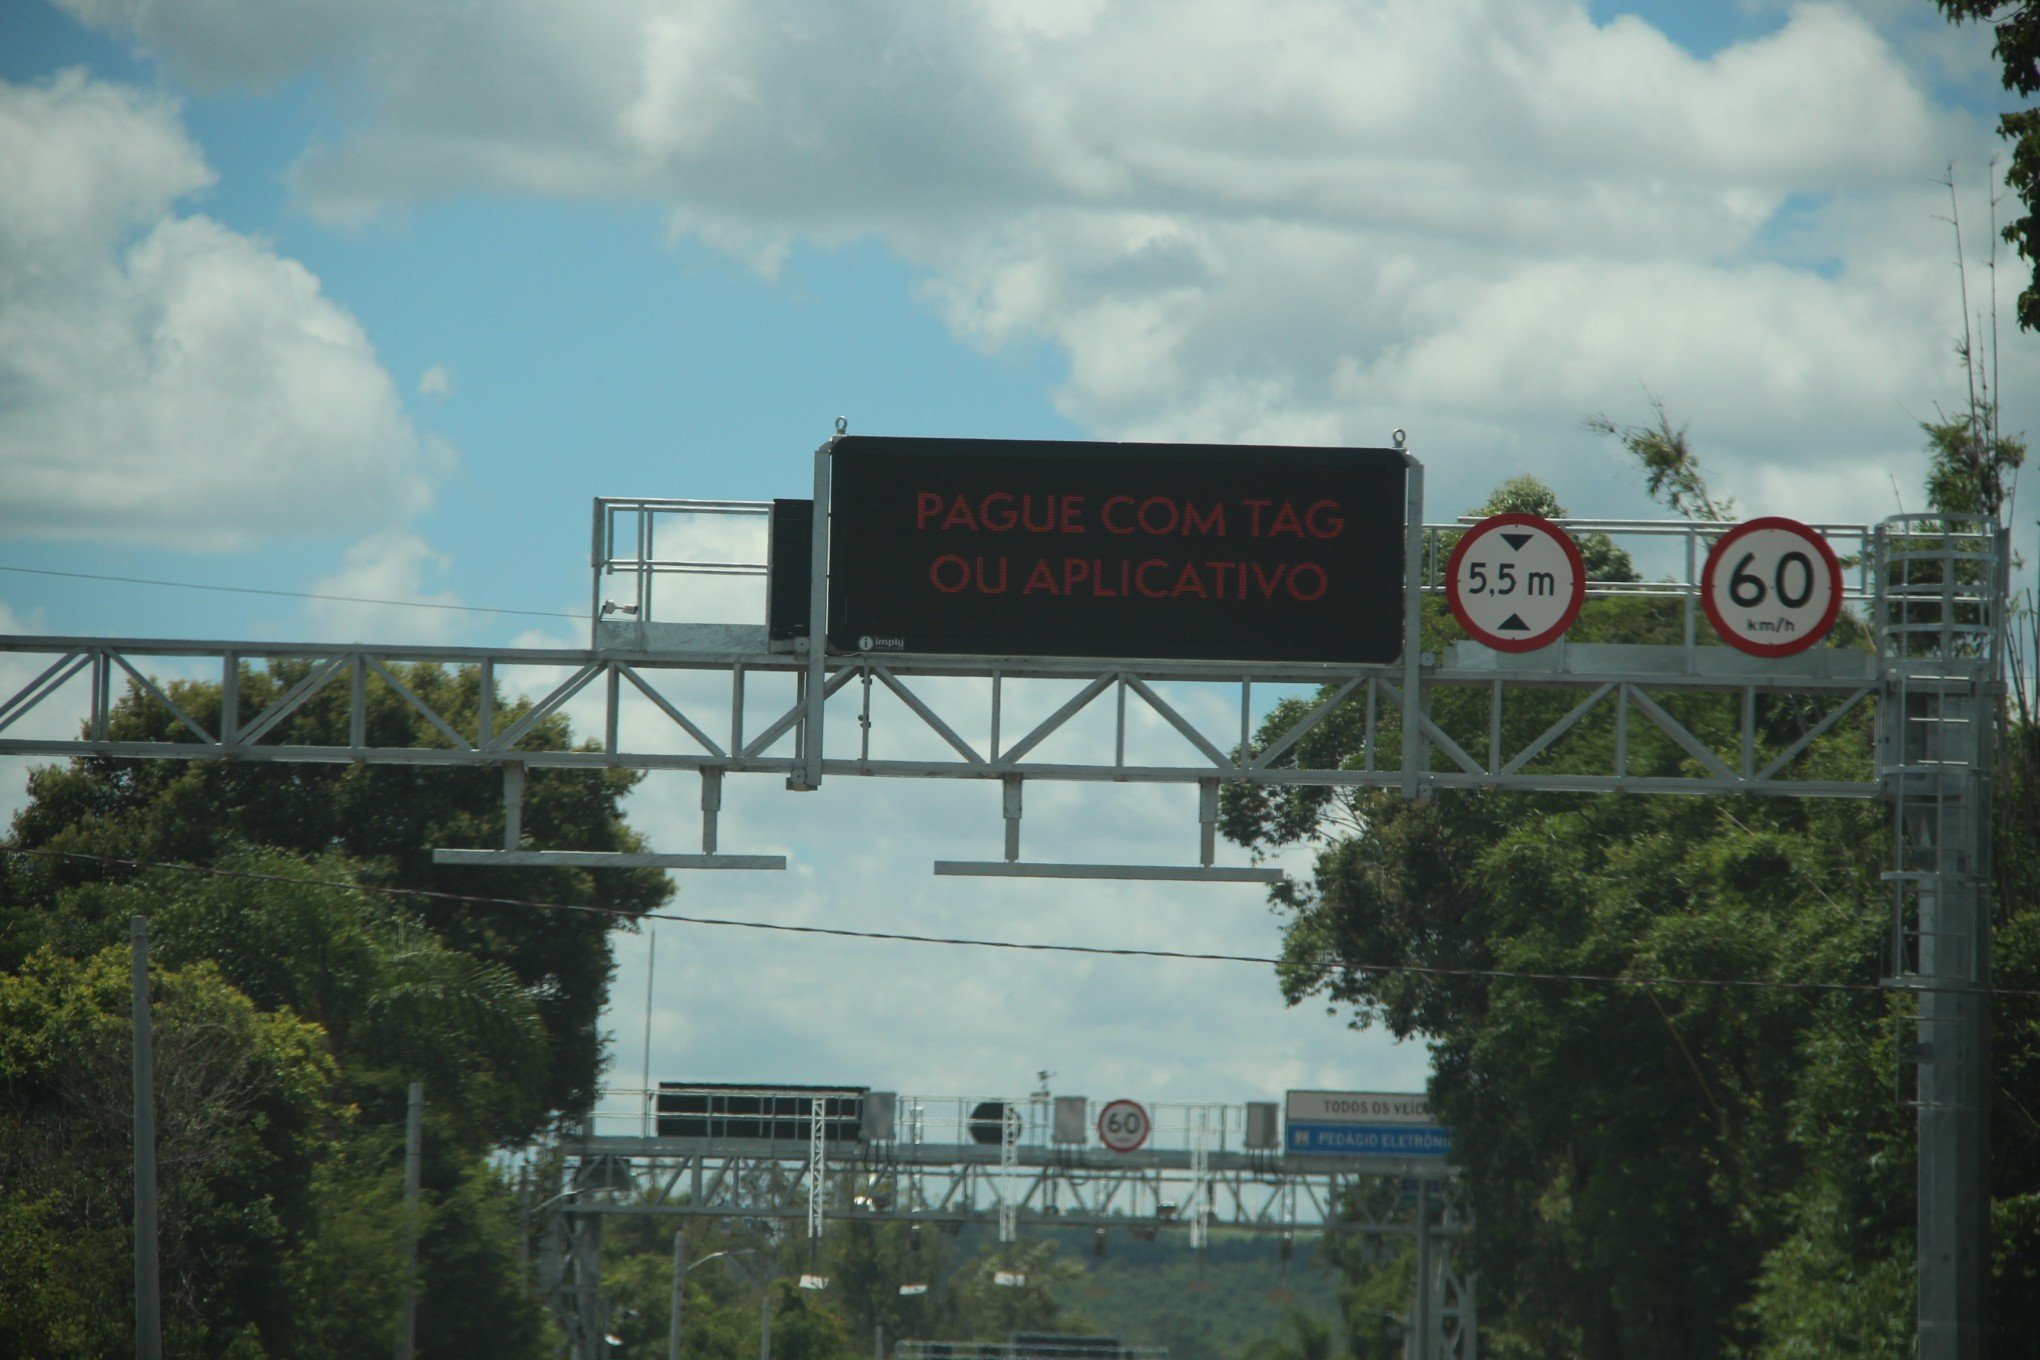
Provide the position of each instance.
(394, 1003)
(386, 819)
(493, 1008)
(990, 1311)
(1627, 1147)
(241, 1097)
(2017, 46)
(1308, 1339)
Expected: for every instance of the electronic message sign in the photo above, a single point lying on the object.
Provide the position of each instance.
(1166, 551)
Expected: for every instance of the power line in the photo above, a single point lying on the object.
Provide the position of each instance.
(292, 594)
(972, 942)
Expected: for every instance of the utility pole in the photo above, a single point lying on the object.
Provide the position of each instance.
(148, 1285)
(414, 1148)
(765, 1324)
(679, 1275)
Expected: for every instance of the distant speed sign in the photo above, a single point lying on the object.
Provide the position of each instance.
(1515, 582)
(1771, 587)
(1124, 1125)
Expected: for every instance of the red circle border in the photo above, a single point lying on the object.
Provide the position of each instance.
(1549, 635)
(1720, 550)
(1146, 1119)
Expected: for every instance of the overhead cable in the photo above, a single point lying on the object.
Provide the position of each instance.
(293, 594)
(972, 942)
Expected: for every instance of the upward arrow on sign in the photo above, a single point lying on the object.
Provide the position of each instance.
(1515, 582)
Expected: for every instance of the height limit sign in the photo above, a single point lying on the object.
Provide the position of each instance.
(1515, 582)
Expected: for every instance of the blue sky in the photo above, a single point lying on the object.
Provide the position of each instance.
(502, 263)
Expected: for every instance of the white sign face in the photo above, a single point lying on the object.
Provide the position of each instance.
(1124, 1125)
(1515, 582)
(1358, 1107)
(1771, 587)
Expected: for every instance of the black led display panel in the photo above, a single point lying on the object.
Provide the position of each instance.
(1196, 552)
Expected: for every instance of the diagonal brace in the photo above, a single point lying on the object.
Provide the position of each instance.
(927, 715)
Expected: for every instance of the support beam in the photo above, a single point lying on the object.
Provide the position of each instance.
(601, 859)
(513, 806)
(1161, 873)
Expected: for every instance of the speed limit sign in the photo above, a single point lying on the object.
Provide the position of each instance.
(1771, 587)
(1124, 1125)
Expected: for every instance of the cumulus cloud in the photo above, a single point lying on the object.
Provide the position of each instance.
(162, 377)
(378, 594)
(1292, 220)
(859, 1011)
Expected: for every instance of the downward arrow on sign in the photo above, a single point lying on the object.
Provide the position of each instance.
(1516, 541)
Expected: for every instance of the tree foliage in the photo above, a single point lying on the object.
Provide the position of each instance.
(2017, 47)
(321, 1000)
(1659, 1168)
(242, 1097)
(384, 819)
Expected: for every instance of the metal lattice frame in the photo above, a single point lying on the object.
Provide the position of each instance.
(1651, 718)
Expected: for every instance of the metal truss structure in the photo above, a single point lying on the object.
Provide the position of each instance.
(1193, 1179)
(660, 693)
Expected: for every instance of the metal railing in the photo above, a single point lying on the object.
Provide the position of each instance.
(627, 560)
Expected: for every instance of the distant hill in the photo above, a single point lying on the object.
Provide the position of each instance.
(1208, 1305)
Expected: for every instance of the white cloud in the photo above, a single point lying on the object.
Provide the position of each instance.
(1281, 221)
(164, 378)
(379, 594)
(1290, 221)
(744, 1005)
(436, 381)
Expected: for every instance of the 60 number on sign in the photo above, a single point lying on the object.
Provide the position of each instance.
(1123, 1125)
(1771, 587)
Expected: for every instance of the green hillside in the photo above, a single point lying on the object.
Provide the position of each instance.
(1209, 1305)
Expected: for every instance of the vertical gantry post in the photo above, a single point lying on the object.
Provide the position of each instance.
(1942, 585)
(1012, 808)
(809, 776)
(1421, 1325)
(513, 804)
(1207, 821)
(102, 694)
(230, 698)
(597, 560)
(1954, 1190)
(1414, 747)
(357, 704)
(711, 804)
(1009, 1163)
(818, 1148)
(679, 1279)
(589, 1309)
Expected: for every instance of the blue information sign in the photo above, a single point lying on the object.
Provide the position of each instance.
(1369, 1140)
